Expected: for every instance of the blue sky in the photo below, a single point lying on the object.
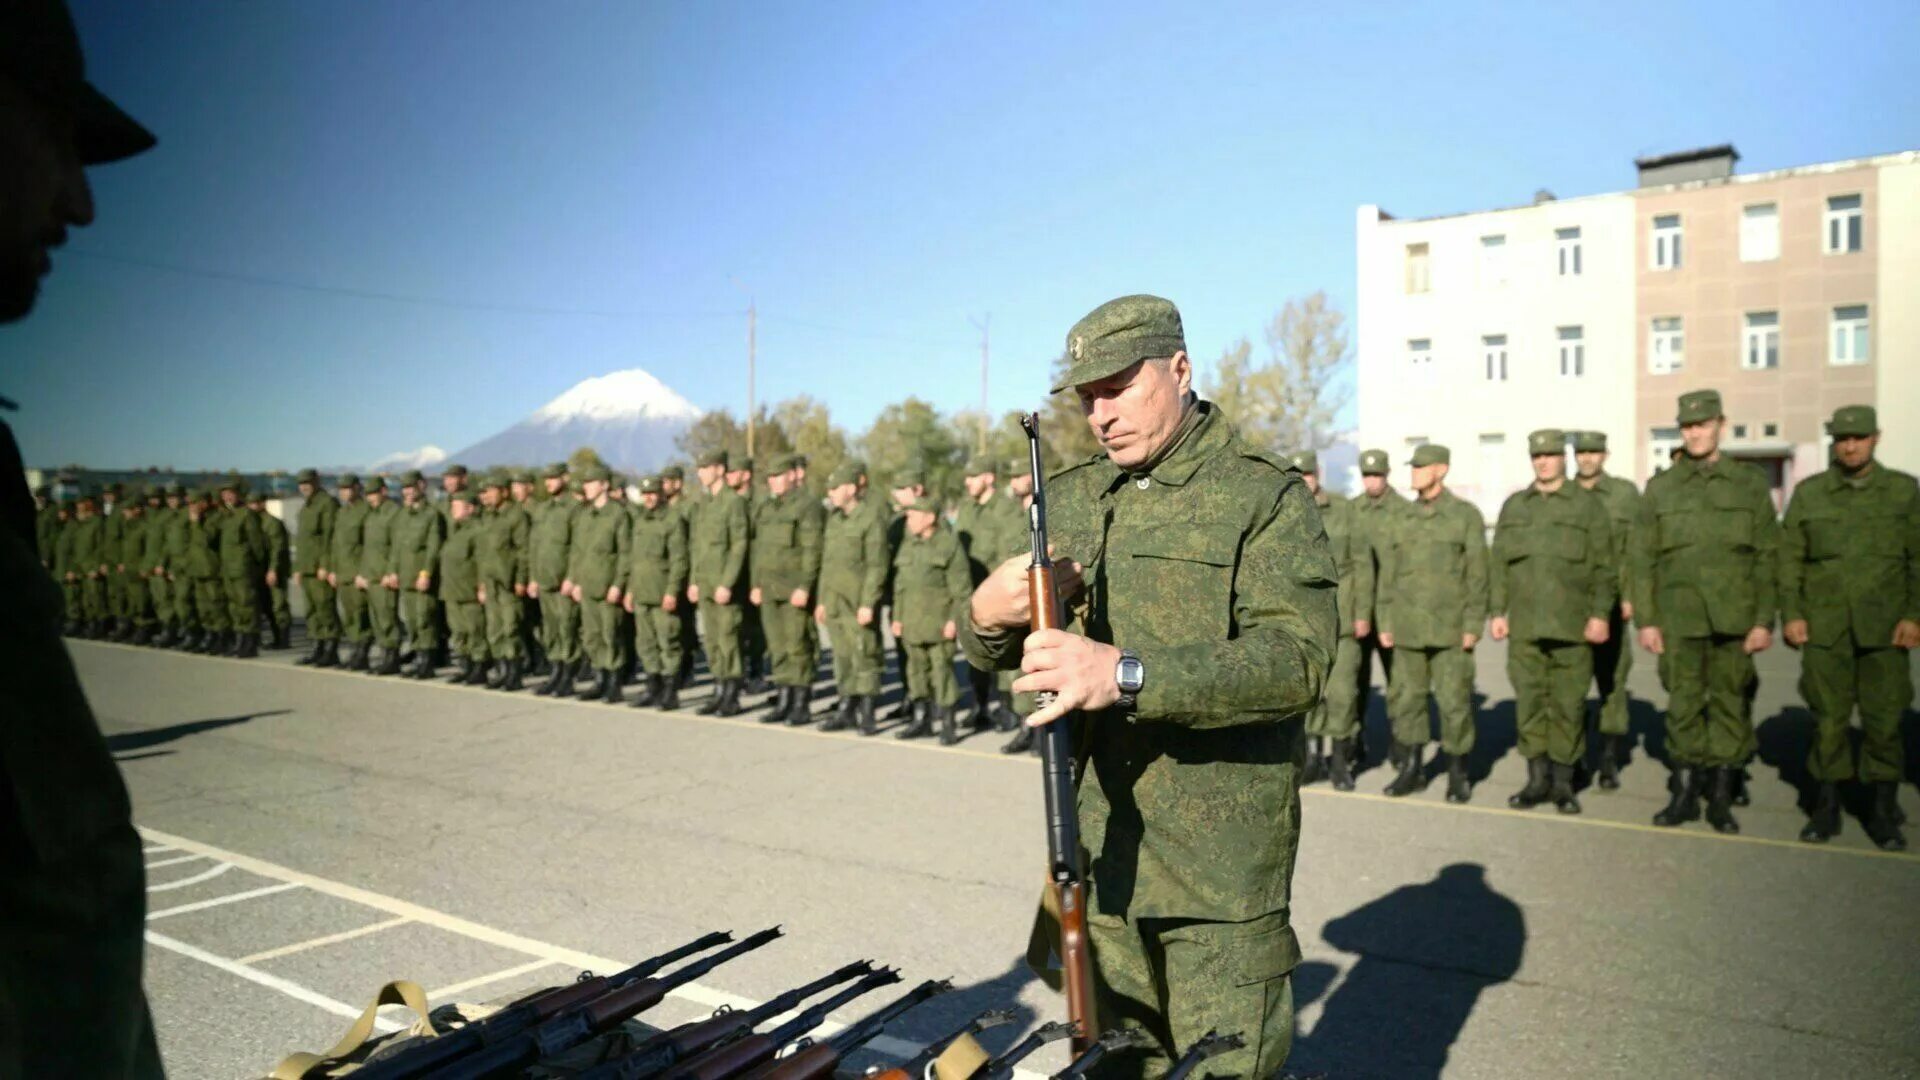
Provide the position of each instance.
(473, 205)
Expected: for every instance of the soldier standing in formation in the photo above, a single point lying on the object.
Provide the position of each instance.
(271, 589)
(159, 528)
(673, 482)
(523, 493)
(1553, 584)
(1850, 601)
(549, 546)
(930, 588)
(503, 579)
(460, 590)
(1613, 658)
(313, 543)
(655, 591)
(1374, 509)
(785, 563)
(717, 551)
(1705, 553)
(855, 563)
(419, 532)
(136, 616)
(342, 560)
(1333, 727)
(990, 529)
(1432, 606)
(243, 556)
(376, 580)
(597, 568)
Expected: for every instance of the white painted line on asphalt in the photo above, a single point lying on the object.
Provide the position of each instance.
(206, 875)
(202, 905)
(175, 861)
(325, 939)
(272, 982)
(153, 848)
(462, 987)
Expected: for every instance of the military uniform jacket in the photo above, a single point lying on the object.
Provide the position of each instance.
(242, 547)
(153, 542)
(46, 529)
(599, 552)
(1622, 502)
(990, 533)
(1352, 559)
(717, 541)
(657, 556)
(460, 560)
(855, 559)
(87, 545)
(1553, 563)
(1850, 555)
(548, 537)
(503, 545)
(1433, 573)
(112, 529)
(1212, 566)
(786, 547)
(1372, 518)
(133, 541)
(376, 541)
(174, 533)
(202, 559)
(348, 543)
(419, 532)
(931, 584)
(1705, 548)
(314, 541)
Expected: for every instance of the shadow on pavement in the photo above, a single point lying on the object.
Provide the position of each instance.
(128, 741)
(1785, 740)
(1496, 731)
(1424, 955)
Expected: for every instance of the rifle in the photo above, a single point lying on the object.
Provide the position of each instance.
(818, 1060)
(1117, 1039)
(664, 1050)
(1210, 1044)
(431, 1053)
(745, 1053)
(579, 1024)
(1001, 1068)
(1064, 874)
(916, 1067)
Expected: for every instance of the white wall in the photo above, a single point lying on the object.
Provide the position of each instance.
(1895, 329)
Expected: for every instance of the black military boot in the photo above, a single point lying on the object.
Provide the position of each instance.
(482, 669)
(1610, 754)
(1004, 718)
(1539, 785)
(1412, 774)
(516, 675)
(1720, 801)
(163, 639)
(648, 693)
(800, 710)
(1396, 754)
(686, 669)
(235, 638)
(942, 716)
(1021, 742)
(361, 659)
(1738, 781)
(389, 661)
(1823, 823)
(715, 700)
(222, 644)
(842, 716)
(249, 647)
(730, 700)
(280, 636)
(1316, 767)
(496, 676)
(611, 695)
(422, 669)
(142, 635)
(777, 706)
(311, 657)
(462, 667)
(901, 711)
(1562, 794)
(1459, 786)
(1339, 770)
(329, 654)
(1884, 817)
(668, 698)
(920, 721)
(1684, 787)
(863, 713)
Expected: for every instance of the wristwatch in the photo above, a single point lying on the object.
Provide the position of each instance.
(1130, 674)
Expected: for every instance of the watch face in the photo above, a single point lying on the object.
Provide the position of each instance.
(1131, 671)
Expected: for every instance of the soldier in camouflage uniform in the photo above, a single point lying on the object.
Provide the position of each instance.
(717, 551)
(784, 563)
(548, 543)
(201, 573)
(1373, 512)
(655, 591)
(113, 583)
(1850, 600)
(503, 578)
(46, 524)
(271, 589)
(753, 631)
(991, 529)
(673, 483)
(525, 493)
(854, 565)
(597, 566)
(174, 540)
(1613, 658)
(1553, 583)
(243, 557)
(58, 564)
(419, 532)
(154, 558)
(343, 560)
(1208, 587)
(1432, 605)
(136, 602)
(931, 584)
(906, 484)
(86, 562)
(1705, 560)
(460, 585)
(376, 579)
(1333, 727)
(313, 543)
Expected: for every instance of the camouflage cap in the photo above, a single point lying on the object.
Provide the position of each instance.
(554, 471)
(522, 476)
(455, 469)
(307, 476)
(649, 485)
(906, 476)
(780, 463)
(710, 458)
(673, 472)
(347, 480)
(1549, 440)
(497, 478)
(799, 460)
(858, 465)
(1855, 420)
(1307, 461)
(1589, 441)
(412, 478)
(1017, 467)
(924, 502)
(981, 463)
(177, 488)
(377, 484)
(739, 463)
(1430, 454)
(1375, 463)
(461, 496)
(1118, 334)
(595, 472)
(257, 497)
(1699, 405)
(230, 483)
(845, 474)
(156, 492)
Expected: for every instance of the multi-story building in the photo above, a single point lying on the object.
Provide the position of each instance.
(1784, 290)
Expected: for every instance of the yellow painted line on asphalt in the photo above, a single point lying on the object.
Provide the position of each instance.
(507, 973)
(325, 939)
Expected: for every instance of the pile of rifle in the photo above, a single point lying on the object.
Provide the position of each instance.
(726, 1046)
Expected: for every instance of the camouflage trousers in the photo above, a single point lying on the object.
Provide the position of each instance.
(856, 648)
(720, 633)
(117, 595)
(503, 621)
(383, 612)
(1338, 714)
(160, 592)
(1448, 675)
(137, 600)
(70, 600)
(185, 612)
(467, 625)
(93, 598)
(423, 620)
(353, 612)
(1181, 978)
(1834, 679)
(1611, 663)
(600, 640)
(210, 604)
(1709, 683)
(929, 672)
(790, 641)
(273, 604)
(1550, 697)
(559, 626)
(243, 606)
(656, 639)
(1363, 676)
(323, 623)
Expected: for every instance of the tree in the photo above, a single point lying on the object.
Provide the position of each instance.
(810, 426)
(912, 432)
(1005, 439)
(715, 430)
(1289, 400)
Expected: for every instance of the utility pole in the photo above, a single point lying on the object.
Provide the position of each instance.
(986, 417)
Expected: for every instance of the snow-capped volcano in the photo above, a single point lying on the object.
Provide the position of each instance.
(631, 418)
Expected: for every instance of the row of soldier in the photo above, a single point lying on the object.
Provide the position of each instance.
(1699, 566)
(560, 575)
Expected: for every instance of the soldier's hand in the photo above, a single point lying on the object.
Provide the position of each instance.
(360, 583)
(520, 589)
(1795, 632)
(1361, 628)
(296, 579)
(533, 590)
(1497, 628)
(1906, 634)
(273, 579)
(1078, 671)
(482, 593)
(1386, 639)
(722, 594)
(1469, 640)
(1759, 639)
(894, 627)
(1596, 632)
(949, 631)
(669, 602)
(627, 602)
(798, 599)
(1652, 640)
(613, 594)
(1000, 603)
(864, 616)
(566, 586)
(423, 582)
(820, 614)
(1626, 609)
(753, 596)
(693, 594)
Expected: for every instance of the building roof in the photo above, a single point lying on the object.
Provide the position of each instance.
(1681, 157)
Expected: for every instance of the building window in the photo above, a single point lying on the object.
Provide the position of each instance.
(1417, 275)
(1760, 233)
(1739, 431)
(1493, 261)
(1760, 349)
(1771, 430)
(1849, 335)
(1495, 348)
(1573, 352)
(1667, 348)
(1661, 444)
(1420, 355)
(1666, 242)
(1843, 224)
(1566, 244)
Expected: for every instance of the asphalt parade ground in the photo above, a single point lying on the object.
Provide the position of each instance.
(313, 834)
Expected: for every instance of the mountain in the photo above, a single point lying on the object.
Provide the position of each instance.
(629, 417)
(424, 459)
